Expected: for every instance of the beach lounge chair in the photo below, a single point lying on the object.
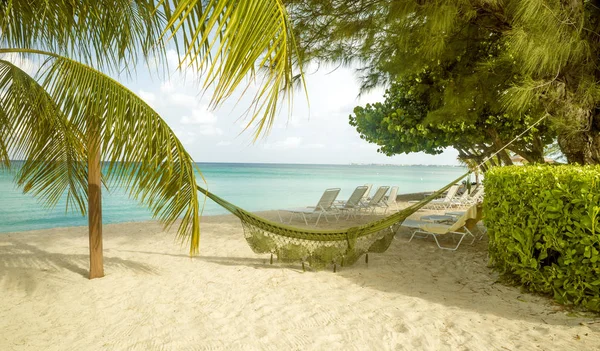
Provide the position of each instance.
(377, 201)
(443, 203)
(462, 227)
(466, 199)
(476, 197)
(465, 194)
(450, 217)
(323, 208)
(353, 204)
(367, 193)
(391, 199)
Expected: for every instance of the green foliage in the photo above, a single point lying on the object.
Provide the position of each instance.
(544, 228)
(417, 116)
(522, 57)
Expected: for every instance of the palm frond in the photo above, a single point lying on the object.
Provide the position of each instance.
(142, 152)
(230, 41)
(4, 130)
(110, 34)
(233, 40)
(34, 129)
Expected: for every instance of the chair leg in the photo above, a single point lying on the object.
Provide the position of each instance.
(412, 236)
(482, 231)
(317, 222)
(462, 236)
(467, 231)
(418, 231)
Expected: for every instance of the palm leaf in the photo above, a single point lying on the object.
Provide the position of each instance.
(229, 40)
(142, 152)
(37, 132)
(110, 34)
(4, 130)
(233, 40)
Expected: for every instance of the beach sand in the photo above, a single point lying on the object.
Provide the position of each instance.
(155, 297)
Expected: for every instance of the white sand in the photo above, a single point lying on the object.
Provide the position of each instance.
(154, 297)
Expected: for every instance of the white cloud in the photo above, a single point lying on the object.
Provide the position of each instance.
(200, 116)
(183, 100)
(148, 97)
(186, 137)
(288, 143)
(313, 146)
(172, 58)
(224, 143)
(292, 122)
(183, 73)
(209, 130)
(365, 145)
(167, 87)
(292, 142)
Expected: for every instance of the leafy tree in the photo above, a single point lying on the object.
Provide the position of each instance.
(545, 53)
(556, 45)
(72, 115)
(413, 118)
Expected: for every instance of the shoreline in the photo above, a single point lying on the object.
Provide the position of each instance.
(156, 297)
(400, 198)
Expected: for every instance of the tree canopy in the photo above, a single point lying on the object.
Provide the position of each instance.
(524, 59)
(412, 119)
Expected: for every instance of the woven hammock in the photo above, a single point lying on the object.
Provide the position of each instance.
(321, 247)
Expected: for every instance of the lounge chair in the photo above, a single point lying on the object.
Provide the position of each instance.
(462, 227)
(353, 204)
(476, 197)
(442, 203)
(324, 207)
(391, 199)
(466, 199)
(365, 197)
(376, 201)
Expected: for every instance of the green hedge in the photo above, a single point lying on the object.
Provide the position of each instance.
(544, 229)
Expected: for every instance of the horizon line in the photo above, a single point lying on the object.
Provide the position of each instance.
(313, 164)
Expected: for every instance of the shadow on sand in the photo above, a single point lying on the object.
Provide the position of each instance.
(253, 262)
(458, 279)
(21, 264)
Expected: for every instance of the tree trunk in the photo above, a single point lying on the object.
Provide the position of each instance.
(505, 158)
(534, 156)
(582, 147)
(95, 205)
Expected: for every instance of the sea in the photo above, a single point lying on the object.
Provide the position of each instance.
(252, 186)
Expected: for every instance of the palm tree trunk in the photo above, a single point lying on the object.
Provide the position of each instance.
(95, 205)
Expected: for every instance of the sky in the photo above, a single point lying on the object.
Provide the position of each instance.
(315, 132)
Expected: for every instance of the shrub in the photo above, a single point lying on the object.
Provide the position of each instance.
(544, 229)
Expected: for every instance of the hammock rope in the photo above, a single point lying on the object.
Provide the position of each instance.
(321, 247)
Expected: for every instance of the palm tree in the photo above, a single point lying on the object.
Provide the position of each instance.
(71, 114)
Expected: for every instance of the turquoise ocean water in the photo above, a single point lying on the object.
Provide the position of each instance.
(254, 187)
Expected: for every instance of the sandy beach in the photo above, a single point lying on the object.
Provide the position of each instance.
(155, 297)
